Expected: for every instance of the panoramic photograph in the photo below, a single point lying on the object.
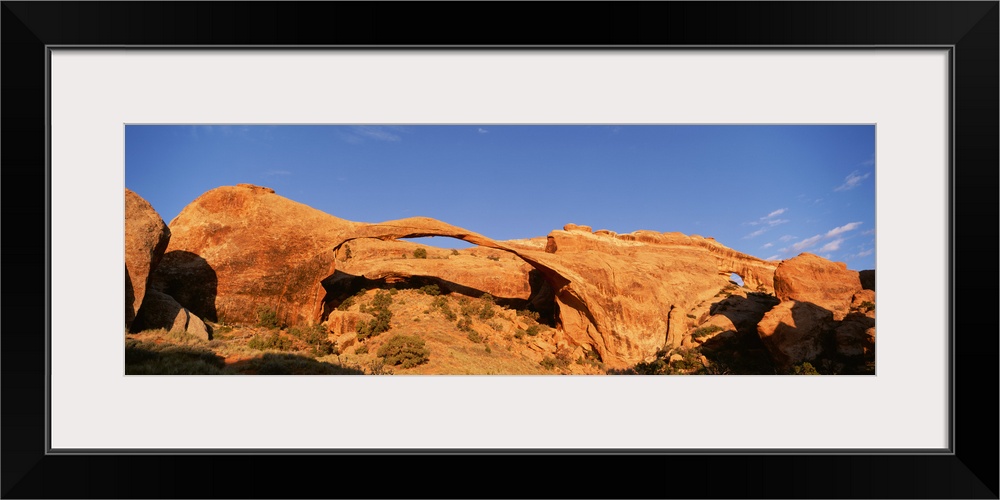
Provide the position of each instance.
(499, 249)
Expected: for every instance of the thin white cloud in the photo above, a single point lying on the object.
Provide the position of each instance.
(270, 173)
(377, 133)
(865, 253)
(755, 234)
(483, 131)
(773, 257)
(870, 231)
(806, 243)
(831, 246)
(787, 237)
(852, 181)
(842, 229)
(769, 218)
(768, 245)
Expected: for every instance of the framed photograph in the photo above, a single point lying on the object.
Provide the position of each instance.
(919, 80)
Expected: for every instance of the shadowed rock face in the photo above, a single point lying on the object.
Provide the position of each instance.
(146, 238)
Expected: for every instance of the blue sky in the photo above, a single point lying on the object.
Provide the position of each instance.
(769, 191)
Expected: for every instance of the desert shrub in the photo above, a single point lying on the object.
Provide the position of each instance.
(454, 252)
(317, 338)
(420, 253)
(442, 304)
(273, 341)
(496, 326)
(475, 337)
(431, 290)
(346, 304)
(551, 363)
(532, 330)
(377, 367)
(393, 291)
(525, 313)
(222, 329)
(692, 316)
(867, 306)
(268, 318)
(465, 324)
(705, 331)
(347, 252)
(467, 308)
(804, 369)
(488, 350)
(382, 320)
(486, 309)
(406, 351)
(361, 349)
(493, 257)
(519, 334)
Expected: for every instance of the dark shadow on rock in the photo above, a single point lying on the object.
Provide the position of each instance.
(340, 286)
(745, 312)
(288, 364)
(129, 300)
(189, 279)
(867, 279)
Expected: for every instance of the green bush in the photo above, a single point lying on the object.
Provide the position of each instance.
(532, 330)
(804, 369)
(347, 252)
(268, 318)
(551, 363)
(867, 306)
(465, 324)
(528, 314)
(442, 304)
(493, 257)
(406, 351)
(431, 290)
(705, 331)
(383, 316)
(475, 337)
(361, 349)
(420, 253)
(317, 338)
(346, 304)
(454, 252)
(274, 341)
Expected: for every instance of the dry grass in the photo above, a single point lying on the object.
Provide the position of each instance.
(493, 348)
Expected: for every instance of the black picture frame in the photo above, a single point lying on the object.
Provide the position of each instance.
(969, 28)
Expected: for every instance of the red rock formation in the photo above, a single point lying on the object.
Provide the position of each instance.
(811, 278)
(793, 332)
(616, 293)
(239, 248)
(146, 238)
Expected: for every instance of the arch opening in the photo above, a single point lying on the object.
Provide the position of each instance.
(736, 279)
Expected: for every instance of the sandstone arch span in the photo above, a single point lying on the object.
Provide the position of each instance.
(615, 293)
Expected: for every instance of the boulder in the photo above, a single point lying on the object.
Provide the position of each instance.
(811, 278)
(238, 249)
(160, 310)
(793, 332)
(146, 238)
(855, 336)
